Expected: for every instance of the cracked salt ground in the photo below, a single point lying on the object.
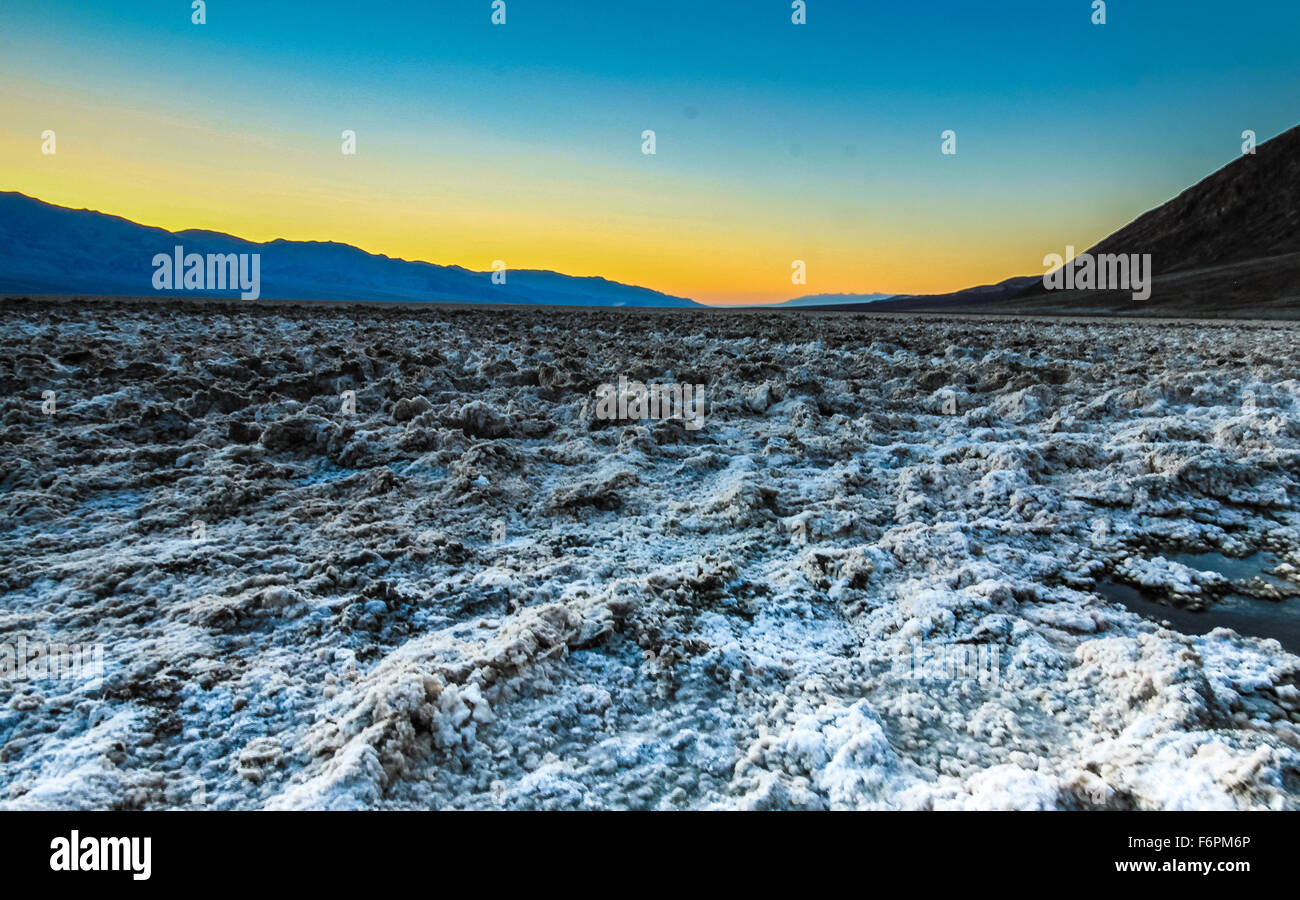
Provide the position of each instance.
(672, 618)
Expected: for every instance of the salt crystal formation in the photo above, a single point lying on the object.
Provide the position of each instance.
(472, 592)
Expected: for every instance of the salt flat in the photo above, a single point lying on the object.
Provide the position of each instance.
(474, 592)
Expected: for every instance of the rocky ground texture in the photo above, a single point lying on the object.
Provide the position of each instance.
(473, 592)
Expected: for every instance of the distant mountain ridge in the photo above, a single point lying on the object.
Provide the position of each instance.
(1248, 209)
(49, 249)
(1227, 246)
(832, 299)
(981, 294)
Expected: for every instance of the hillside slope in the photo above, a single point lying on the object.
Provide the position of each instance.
(48, 249)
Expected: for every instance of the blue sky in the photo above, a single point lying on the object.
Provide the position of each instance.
(775, 141)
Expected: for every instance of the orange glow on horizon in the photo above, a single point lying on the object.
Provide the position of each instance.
(719, 244)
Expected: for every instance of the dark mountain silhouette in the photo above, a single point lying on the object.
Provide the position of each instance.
(1249, 209)
(1227, 246)
(832, 301)
(48, 249)
(969, 297)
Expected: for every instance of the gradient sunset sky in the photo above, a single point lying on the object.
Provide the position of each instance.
(522, 142)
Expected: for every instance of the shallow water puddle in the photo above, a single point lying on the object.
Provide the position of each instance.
(1257, 565)
(1244, 615)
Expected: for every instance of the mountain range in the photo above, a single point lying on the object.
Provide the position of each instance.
(48, 249)
(1229, 245)
(832, 301)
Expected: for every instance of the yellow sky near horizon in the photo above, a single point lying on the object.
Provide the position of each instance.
(472, 200)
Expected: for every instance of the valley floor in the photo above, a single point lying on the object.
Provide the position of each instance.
(880, 575)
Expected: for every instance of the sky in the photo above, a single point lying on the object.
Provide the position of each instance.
(774, 142)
